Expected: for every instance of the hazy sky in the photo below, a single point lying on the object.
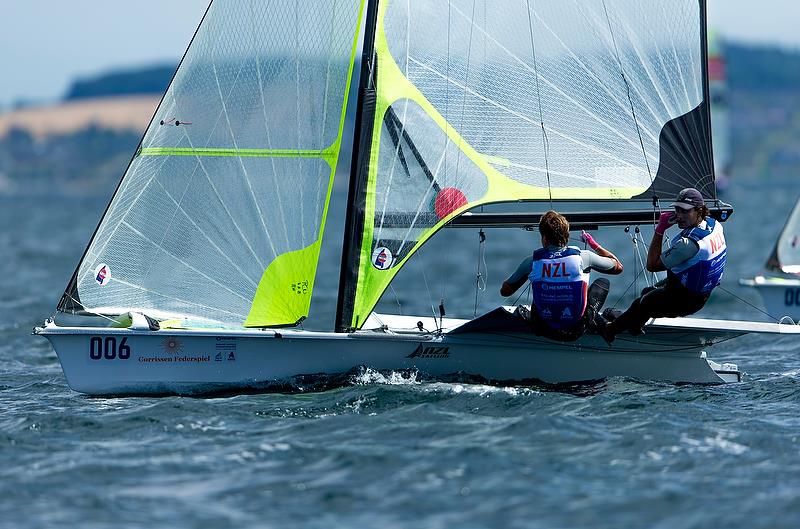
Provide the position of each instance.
(44, 44)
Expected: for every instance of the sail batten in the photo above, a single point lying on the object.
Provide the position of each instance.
(327, 154)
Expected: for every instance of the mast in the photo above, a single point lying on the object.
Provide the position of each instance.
(359, 169)
(70, 301)
(706, 89)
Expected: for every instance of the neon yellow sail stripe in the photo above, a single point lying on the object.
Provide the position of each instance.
(393, 85)
(329, 154)
(283, 296)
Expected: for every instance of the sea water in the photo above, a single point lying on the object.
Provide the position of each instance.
(398, 450)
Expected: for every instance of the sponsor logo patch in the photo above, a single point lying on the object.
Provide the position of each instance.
(382, 258)
(172, 345)
(102, 274)
(423, 351)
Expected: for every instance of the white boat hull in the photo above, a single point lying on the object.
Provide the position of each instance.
(195, 362)
(781, 295)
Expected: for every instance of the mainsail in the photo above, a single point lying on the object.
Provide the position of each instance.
(221, 213)
(785, 257)
(471, 102)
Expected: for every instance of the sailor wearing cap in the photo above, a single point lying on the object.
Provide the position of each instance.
(694, 263)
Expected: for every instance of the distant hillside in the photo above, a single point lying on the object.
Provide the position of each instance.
(150, 80)
(118, 113)
(762, 68)
(764, 108)
(89, 161)
(84, 144)
(79, 147)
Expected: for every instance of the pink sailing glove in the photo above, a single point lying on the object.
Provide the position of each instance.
(588, 239)
(666, 220)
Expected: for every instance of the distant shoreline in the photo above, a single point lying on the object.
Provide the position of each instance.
(116, 113)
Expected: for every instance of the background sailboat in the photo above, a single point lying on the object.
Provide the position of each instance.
(214, 234)
(779, 285)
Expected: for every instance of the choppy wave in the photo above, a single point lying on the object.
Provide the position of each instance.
(391, 449)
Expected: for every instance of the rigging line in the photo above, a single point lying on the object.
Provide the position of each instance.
(646, 65)
(525, 118)
(621, 296)
(90, 311)
(224, 206)
(478, 275)
(325, 108)
(637, 238)
(187, 302)
(591, 72)
(748, 303)
(268, 134)
(390, 117)
(389, 121)
(447, 144)
(422, 202)
(124, 185)
(123, 189)
(552, 85)
(446, 93)
(677, 62)
(166, 228)
(393, 123)
(299, 164)
(654, 279)
(425, 280)
(646, 104)
(628, 90)
(187, 265)
(466, 83)
(545, 143)
(635, 263)
(525, 290)
(217, 248)
(396, 298)
(412, 225)
(246, 175)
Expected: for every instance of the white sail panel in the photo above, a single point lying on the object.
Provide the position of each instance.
(496, 71)
(220, 215)
(787, 251)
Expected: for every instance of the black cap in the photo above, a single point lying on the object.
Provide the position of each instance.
(689, 198)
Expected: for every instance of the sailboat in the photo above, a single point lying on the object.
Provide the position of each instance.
(779, 286)
(467, 114)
